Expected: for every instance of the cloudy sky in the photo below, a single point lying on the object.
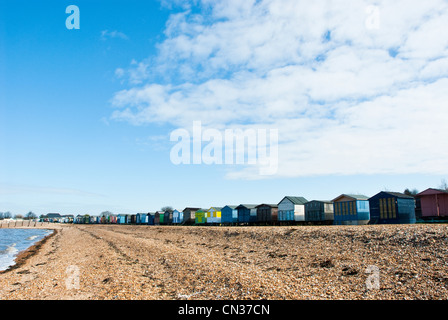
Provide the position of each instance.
(358, 91)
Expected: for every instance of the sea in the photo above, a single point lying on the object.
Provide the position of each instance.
(13, 241)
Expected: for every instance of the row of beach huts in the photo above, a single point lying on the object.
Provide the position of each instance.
(347, 209)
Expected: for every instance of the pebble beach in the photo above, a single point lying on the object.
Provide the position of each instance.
(126, 262)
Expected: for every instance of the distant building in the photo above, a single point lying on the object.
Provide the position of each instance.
(52, 217)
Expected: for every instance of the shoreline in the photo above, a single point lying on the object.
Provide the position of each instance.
(24, 255)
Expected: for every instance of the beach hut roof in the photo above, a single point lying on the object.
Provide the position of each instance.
(322, 201)
(295, 200)
(431, 191)
(268, 204)
(353, 196)
(395, 194)
(53, 215)
(248, 206)
(230, 206)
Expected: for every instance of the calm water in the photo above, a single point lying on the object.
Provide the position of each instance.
(12, 241)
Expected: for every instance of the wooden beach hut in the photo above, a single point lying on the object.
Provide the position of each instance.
(247, 213)
(351, 209)
(267, 213)
(320, 211)
(178, 216)
(229, 214)
(142, 218)
(392, 208)
(67, 218)
(189, 215)
(53, 217)
(200, 216)
(121, 218)
(168, 217)
(292, 209)
(112, 218)
(150, 218)
(159, 218)
(433, 204)
(214, 215)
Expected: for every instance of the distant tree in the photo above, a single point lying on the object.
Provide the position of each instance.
(167, 208)
(105, 213)
(30, 215)
(443, 185)
(1, 216)
(7, 215)
(412, 192)
(18, 216)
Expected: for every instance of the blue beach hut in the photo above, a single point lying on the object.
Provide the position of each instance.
(392, 208)
(351, 209)
(247, 213)
(229, 214)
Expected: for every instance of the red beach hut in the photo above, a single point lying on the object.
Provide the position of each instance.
(434, 203)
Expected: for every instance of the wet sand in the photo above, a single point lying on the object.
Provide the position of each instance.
(211, 263)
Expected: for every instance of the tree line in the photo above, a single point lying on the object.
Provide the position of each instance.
(8, 215)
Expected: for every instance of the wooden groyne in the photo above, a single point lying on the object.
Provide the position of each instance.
(22, 224)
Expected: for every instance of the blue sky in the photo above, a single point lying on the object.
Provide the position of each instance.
(86, 115)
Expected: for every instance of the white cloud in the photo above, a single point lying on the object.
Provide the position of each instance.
(346, 99)
(106, 34)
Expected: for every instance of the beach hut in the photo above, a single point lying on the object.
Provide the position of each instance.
(168, 217)
(433, 204)
(150, 218)
(121, 218)
(157, 217)
(86, 219)
(161, 215)
(292, 209)
(247, 213)
(229, 214)
(112, 218)
(53, 217)
(200, 216)
(142, 218)
(267, 213)
(214, 215)
(178, 216)
(67, 218)
(189, 215)
(392, 208)
(321, 211)
(351, 209)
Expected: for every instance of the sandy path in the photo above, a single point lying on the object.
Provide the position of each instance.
(167, 262)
